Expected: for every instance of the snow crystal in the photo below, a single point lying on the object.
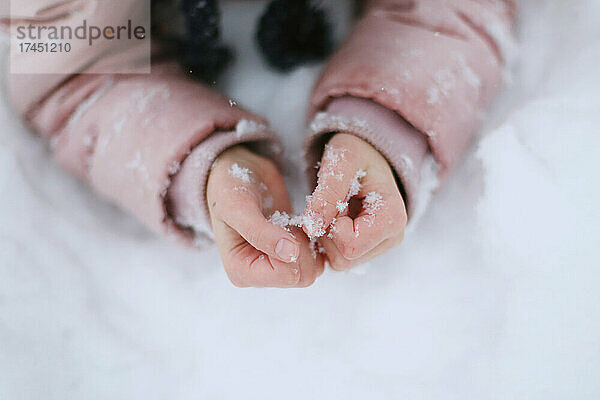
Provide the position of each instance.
(297, 220)
(372, 202)
(332, 228)
(280, 218)
(355, 185)
(316, 248)
(240, 173)
(408, 162)
(325, 121)
(313, 222)
(333, 155)
(174, 167)
(342, 206)
(248, 127)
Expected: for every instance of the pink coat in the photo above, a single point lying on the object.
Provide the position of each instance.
(413, 78)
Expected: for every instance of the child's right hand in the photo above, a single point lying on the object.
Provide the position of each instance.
(242, 188)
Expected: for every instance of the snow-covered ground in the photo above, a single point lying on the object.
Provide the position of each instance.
(494, 295)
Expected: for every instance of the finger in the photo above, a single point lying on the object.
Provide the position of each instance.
(381, 217)
(334, 257)
(339, 263)
(337, 174)
(310, 261)
(242, 211)
(247, 266)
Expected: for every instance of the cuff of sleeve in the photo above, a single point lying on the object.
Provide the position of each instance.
(186, 198)
(404, 147)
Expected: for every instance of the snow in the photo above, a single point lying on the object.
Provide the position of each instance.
(341, 206)
(372, 202)
(241, 173)
(247, 127)
(355, 184)
(493, 295)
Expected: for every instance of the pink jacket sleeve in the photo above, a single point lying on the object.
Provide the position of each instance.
(436, 65)
(145, 142)
(130, 135)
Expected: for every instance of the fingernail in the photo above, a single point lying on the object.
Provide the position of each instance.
(287, 250)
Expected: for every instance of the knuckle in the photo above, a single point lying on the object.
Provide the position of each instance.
(257, 238)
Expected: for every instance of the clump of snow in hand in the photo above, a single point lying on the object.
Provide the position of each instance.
(280, 218)
(284, 220)
(247, 127)
(313, 222)
(240, 173)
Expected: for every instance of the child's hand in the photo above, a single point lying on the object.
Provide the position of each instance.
(351, 232)
(242, 188)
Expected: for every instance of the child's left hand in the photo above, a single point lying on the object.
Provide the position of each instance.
(351, 233)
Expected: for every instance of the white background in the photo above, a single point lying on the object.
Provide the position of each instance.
(495, 294)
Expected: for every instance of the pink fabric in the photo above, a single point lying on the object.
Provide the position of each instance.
(146, 142)
(402, 145)
(436, 64)
(31, 88)
(128, 135)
